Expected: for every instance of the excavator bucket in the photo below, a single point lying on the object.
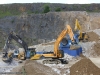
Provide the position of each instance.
(36, 57)
(7, 59)
(74, 47)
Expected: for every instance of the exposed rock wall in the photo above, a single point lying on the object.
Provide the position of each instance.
(39, 28)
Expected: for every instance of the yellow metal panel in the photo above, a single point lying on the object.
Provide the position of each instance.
(35, 57)
(49, 55)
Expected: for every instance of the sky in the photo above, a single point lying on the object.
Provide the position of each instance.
(50, 1)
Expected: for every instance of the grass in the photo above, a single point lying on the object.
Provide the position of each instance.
(8, 13)
(5, 11)
(3, 14)
(13, 13)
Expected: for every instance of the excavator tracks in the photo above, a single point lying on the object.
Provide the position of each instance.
(55, 61)
(52, 61)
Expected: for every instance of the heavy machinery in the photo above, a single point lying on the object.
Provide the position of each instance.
(57, 54)
(82, 36)
(8, 56)
(49, 57)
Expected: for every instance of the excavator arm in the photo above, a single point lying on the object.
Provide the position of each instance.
(17, 38)
(78, 28)
(82, 36)
(7, 57)
(67, 30)
(57, 53)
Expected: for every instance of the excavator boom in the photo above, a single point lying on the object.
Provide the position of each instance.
(17, 39)
(78, 28)
(57, 53)
(67, 30)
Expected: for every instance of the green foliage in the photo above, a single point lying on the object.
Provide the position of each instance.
(36, 12)
(3, 14)
(46, 9)
(2, 39)
(2, 42)
(58, 9)
(7, 13)
(10, 10)
(29, 12)
(34, 39)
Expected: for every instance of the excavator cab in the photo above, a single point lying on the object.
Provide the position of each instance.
(84, 37)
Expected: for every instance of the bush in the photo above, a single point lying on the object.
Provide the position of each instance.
(58, 9)
(46, 9)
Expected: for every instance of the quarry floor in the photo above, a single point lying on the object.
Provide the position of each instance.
(35, 67)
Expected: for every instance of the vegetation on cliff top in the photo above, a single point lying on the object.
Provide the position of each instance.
(35, 8)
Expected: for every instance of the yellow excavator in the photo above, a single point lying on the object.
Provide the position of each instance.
(49, 57)
(57, 53)
(78, 30)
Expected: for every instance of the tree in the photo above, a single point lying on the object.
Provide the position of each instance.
(57, 9)
(46, 9)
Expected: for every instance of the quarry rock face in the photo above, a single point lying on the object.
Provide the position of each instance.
(39, 28)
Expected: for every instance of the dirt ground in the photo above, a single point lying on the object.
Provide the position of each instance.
(84, 67)
(81, 66)
(96, 48)
(34, 68)
(92, 36)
